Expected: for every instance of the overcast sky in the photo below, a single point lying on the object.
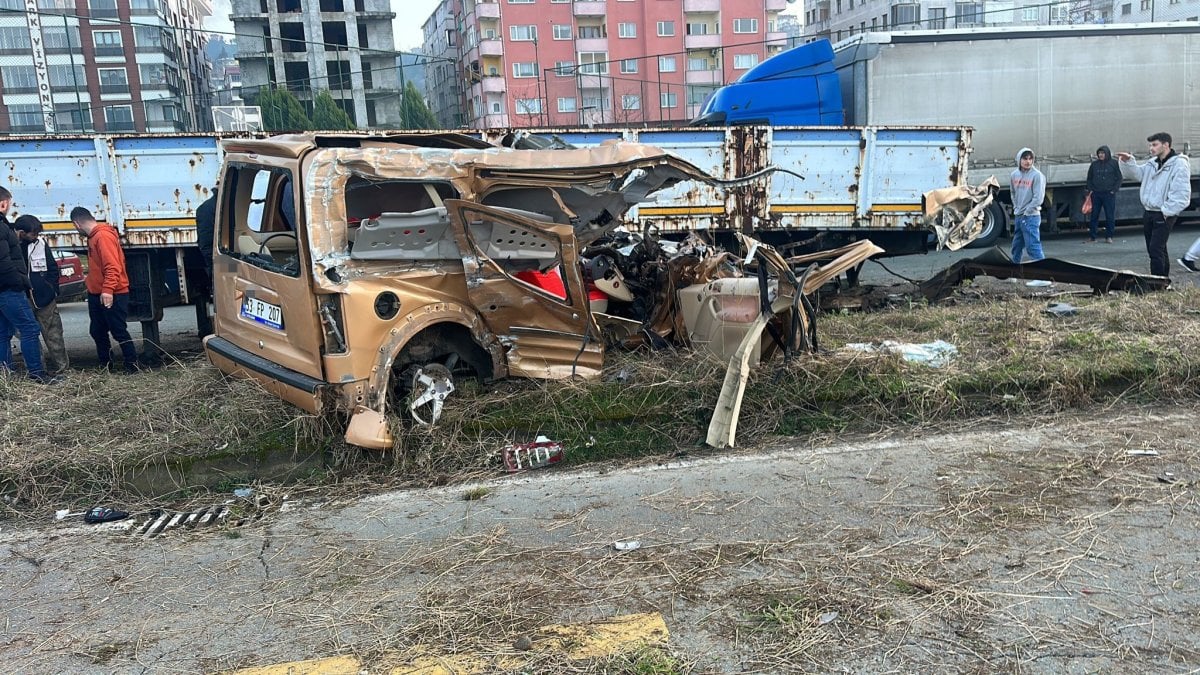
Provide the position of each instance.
(410, 15)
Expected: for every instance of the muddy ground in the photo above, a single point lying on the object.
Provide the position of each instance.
(1063, 545)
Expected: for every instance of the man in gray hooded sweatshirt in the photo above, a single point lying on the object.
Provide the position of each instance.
(1028, 189)
(1166, 190)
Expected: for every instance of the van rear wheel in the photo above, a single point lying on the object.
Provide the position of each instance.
(993, 226)
(429, 386)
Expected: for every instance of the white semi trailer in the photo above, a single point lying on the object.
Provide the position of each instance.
(1061, 90)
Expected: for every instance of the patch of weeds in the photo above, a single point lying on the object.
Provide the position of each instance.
(476, 493)
(102, 654)
(647, 660)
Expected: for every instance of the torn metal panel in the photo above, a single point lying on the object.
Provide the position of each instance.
(996, 262)
(956, 213)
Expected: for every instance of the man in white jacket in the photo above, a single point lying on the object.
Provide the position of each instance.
(1166, 191)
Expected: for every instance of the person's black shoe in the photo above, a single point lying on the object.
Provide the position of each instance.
(44, 378)
(1189, 265)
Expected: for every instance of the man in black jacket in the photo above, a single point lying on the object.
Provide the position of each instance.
(44, 277)
(16, 314)
(1103, 181)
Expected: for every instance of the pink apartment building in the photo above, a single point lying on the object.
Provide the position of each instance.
(524, 63)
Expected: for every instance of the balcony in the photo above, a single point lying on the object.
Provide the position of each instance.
(703, 77)
(494, 85)
(591, 45)
(487, 10)
(103, 13)
(165, 125)
(249, 16)
(711, 5)
(114, 88)
(702, 41)
(32, 89)
(585, 8)
(778, 39)
(110, 50)
(776, 5)
(491, 47)
(592, 81)
(27, 128)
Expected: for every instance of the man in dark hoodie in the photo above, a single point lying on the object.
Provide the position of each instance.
(1103, 181)
(44, 276)
(1166, 190)
(16, 314)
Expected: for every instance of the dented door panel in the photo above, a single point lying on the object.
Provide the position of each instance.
(546, 335)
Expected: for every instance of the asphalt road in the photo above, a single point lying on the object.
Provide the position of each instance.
(1127, 252)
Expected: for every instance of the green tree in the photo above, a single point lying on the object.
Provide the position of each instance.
(282, 111)
(329, 116)
(414, 114)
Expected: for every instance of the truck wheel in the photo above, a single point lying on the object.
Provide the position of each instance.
(993, 227)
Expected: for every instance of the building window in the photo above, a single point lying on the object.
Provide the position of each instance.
(562, 31)
(694, 63)
(108, 43)
(14, 40)
(1147, 4)
(148, 36)
(744, 61)
(697, 95)
(668, 99)
(595, 102)
(525, 69)
(496, 109)
(564, 68)
(73, 117)
(666, 64)
(103, 8)
(1059, 15)
(118, 117)
(666, 28)
(67, 78)
(629, 66)
(113, 81)
(697, 29)
(627, 30)
(906, 15)
(26, 117)
(520, 2)
(566, 105)
(937, 18)
(631, 102)
(1127, 9)
(58, 39)
(968, 13)
(593, 63)
(1030, 14)
(751, 25)
(19, 79)
(591, 32)
(522, 33)
(529, 106)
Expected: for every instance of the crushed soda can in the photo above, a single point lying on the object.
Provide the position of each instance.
(539, 454)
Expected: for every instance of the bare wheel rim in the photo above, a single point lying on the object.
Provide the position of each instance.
(431, 385)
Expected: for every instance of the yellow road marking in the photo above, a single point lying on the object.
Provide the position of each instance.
(335, 665)
(579, 641)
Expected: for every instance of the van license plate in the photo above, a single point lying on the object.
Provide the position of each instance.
(263, 312)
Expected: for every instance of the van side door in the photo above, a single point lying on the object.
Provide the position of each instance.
(524, 279)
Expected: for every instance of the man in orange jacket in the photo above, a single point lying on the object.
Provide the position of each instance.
(108, 289)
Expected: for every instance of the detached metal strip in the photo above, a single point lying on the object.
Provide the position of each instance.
(681, 210)
(812, 208)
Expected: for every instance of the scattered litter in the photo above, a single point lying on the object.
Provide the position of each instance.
(103, 514)
(243, 493)
(221, 446)
(934, 354)
(1009, 397)
(631, 545)
(62, 514)
(1168, 478)
(523, 643)
(1062, 309)
(827, 617)
(1038, 283)
(541, 453)
(1142, 453)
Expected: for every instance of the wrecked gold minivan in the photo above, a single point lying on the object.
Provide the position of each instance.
(362, 273)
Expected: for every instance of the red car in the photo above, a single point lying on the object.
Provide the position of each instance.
(70, 270)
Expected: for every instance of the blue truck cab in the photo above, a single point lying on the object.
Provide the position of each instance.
(798, 87)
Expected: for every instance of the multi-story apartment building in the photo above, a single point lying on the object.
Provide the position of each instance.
(103, 65)
(562, 63)
(306, 46)
(838, 19)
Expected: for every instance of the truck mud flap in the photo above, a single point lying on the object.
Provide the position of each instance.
(296, 388)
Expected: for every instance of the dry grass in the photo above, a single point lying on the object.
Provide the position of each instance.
(90, 440)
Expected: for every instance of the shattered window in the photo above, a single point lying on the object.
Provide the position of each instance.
(260, 227)
(399, 220)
